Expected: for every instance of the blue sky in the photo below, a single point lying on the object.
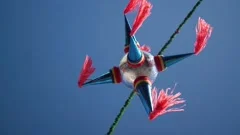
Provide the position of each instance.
(44, 44)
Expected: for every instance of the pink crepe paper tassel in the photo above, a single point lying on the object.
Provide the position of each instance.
(163, 101)
(203, 31)
(87, 71)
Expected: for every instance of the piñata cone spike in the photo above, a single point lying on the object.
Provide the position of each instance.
(163, 62)
(203, 31)
(128, 30)
(128, 38)
(113, 76)
(135, 54)
(173, 59)
(86, 72)
(143, 87)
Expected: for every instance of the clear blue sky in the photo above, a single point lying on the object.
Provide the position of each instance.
(43, 45)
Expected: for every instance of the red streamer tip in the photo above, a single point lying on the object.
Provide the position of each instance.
(145, 48)
(87, 71)
(163, 101)
(132, 5)
(203, 31)
(143, 13)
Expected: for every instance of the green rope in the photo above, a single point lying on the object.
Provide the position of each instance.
(127, 102)
(179, 27)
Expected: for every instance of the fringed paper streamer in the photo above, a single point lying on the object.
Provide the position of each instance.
(164, 101)
(203, 32)
(143, 48)
(132, 5)
(86, 72)
(144, 11)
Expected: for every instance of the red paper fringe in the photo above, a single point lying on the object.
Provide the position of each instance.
(203, 31)
(87, 71)
(145, 48)
(143, 13)
(132, 5)
(163, 101)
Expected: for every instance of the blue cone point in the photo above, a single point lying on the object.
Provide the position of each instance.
(127, 32)
(144, 91)
(105, 78)
(134, 54)
(170, 60)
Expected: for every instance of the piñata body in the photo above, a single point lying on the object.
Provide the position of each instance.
(130, 74)
(139, 68)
